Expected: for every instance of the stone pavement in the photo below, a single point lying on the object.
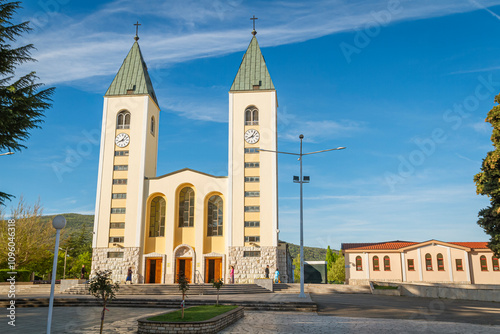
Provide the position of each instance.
(86, 320)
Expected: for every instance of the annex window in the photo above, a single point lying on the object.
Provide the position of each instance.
(484, 265)
(120, 167)
(359, 263)
(252, 208)
(252, 164)
(251, 115)
(387, 263)
(115, 255)
(251, 253)
(411, 265)
(495, 263)
(152, 128)
(252, 239)
(118, 210)
(186, 207)
(252, 179)
(251, 150)
(157, 217)
(215, 216)
(116, 239)
(440, 262)
(252, 224)
(428, 262)
(252, 193)
(119, 181)
(458, 264)
(119, 196)
(116, 225)
(123, 120)
(121, 153)
(376, 264)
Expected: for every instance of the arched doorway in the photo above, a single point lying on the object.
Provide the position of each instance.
(184, 262)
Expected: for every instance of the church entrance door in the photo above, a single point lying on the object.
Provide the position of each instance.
(183, 268)
(213, 269)
(153, 270)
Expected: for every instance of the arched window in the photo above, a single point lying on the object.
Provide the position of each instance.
(359, 264)
(123, 120)
(387, 263)
(152, 125)
(157, 217)
(495, 263)
(251, 115)
(215, 216)
(376, 265)
(440, 262)
(186, 207)
(484, 265)
(428, 262)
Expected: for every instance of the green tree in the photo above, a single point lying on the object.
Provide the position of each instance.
(330, 258)
(337, 272)
(183, 287)
(102, 287)
(488, 183)
(78, 242)
(218, 284)
(22, 101)
(296, 270)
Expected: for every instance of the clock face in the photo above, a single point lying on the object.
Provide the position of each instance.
(252, 136)
(122, 140)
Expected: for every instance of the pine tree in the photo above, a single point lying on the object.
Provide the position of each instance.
(488, 183)
(22, 101)
(330, 258)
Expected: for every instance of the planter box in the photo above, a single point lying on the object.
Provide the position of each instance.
(213, 325)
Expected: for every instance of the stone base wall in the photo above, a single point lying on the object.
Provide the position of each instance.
(118, 266)
(285, 264)
(213, 325)
(246, 269)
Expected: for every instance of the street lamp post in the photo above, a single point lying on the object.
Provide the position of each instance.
(59, 222)
(302, 180)
(8, 153)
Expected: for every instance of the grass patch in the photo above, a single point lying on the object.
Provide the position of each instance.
(385, 287)
(195, 313)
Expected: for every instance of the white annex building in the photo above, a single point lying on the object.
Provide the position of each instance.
(188, 222)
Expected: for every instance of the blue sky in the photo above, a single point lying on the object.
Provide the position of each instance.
(404, 85)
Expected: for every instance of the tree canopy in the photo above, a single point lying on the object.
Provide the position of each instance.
(488, 183)
(22, 99)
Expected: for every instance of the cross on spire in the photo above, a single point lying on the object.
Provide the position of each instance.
(253, 31)
(137, 30)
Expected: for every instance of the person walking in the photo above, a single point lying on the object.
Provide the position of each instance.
(231, 274)
(267, 271)
(277, 276)
(83, 272)
(129, 275)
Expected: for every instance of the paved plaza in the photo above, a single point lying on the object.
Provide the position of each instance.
(85, 320)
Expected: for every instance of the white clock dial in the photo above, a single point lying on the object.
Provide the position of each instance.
(122, 140)
(252, 136)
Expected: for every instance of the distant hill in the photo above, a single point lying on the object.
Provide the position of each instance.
(74, 222)
(310, 253)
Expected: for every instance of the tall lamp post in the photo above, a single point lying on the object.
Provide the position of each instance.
(8, 153)
(302, 180)
(59, 222)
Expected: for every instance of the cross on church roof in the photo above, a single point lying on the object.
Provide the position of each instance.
(253, 31)
(137, 30)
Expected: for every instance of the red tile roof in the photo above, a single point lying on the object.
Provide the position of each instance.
(393, 245)
(474, 245)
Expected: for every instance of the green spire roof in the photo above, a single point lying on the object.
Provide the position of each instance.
(253, 73)
(133, 77)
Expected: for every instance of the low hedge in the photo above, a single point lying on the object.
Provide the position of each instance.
(22, 275)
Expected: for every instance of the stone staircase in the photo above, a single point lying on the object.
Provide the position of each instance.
(320, 288)
(173, 289)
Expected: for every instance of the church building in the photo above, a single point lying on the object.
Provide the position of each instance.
(188, 222)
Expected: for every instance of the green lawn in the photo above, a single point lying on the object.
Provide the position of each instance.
(195, 313)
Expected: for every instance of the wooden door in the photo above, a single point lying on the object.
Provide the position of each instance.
(158, 271)
(187, 269)
(148, 268)
(217, 269)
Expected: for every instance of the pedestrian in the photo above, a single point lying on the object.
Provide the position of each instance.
(277, 276)
(129, 275)
(83, 272)
(267, 271)
(231, 274)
